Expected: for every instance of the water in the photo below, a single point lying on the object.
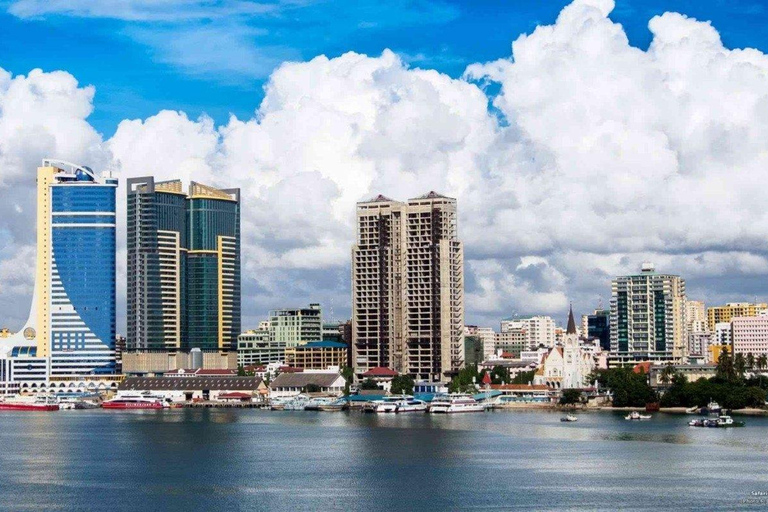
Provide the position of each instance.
(219, 459)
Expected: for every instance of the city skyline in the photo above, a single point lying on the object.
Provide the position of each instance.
(551, 212)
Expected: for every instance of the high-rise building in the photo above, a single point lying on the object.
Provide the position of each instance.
(292, 326)
(408, 287)
(599, 327)
(750, 335)
(70, 333)
(539, 331)
(487, 338)
(183, 266)
(719, 314)
(695, 316)
(647, 317)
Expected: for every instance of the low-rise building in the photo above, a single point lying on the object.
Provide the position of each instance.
(692, 372)
(292, 384)
(194, 388)
(154, 363)
(524, 393)
(317, 355)
(254, 347)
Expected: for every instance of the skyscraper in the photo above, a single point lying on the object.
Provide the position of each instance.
(408, 287)
(647, 317)
(70, 332)
(183, 266)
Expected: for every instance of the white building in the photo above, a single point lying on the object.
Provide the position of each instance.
(567, 366)
(292, 384)
(539, 331)
(695, 316)
(723, 333)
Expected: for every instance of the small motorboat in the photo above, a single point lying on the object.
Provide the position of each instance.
(696, 423)
(692, 410)
(634, 415)
(569, 418)
(714, 408)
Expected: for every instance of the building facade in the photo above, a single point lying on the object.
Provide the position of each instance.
(695, 316)
(183, 266)
(567, 366)
(317, 355)
(408, 287)
(291, 326)
(719, 314)
(647, 317)
(253, 348)
(750, 335)
(539, 330)
(599, 327)
(70, 332)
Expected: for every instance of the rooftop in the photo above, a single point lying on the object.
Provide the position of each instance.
(190, 384)
(302, 379)
(381, 371)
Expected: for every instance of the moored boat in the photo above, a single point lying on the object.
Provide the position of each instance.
(143, 401)
(454, 403)
(634, 415)
(569, 418)
(338, 405)
(30, 403)
(411, 405)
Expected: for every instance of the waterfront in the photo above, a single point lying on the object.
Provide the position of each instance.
(221, 459)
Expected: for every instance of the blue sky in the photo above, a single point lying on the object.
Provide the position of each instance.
(214, 57)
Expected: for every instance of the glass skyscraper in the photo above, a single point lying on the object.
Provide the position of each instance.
(183, 266)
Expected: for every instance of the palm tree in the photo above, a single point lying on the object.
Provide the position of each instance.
(739, 364)
(667, 374)
(762, 362)
(750, 360)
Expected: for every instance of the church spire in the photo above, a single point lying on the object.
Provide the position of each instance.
(571, 322)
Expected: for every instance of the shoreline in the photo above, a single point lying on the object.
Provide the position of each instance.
(665, 410)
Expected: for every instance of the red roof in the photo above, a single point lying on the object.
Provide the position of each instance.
(290, 369)
(507, 355)
(381, 371)
(235, 394)
(644, 367)
(520, 387)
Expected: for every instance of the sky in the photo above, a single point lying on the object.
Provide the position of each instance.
(580, 139)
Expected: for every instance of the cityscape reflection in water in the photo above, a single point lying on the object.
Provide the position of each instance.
(216, 459)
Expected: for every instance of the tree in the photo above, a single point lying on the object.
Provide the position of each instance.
(750, 360)
(369, 384)
(629, 389)
(240, 371)
(739, 365)
(762, 362)
(464, 381)
(524, 377)
(570, 396)
(499, 375)
(312, 388)
(402, 385)
(667, 373)
(349, 375)
(724, 369)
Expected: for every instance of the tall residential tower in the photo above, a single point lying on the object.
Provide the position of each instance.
(408, 287)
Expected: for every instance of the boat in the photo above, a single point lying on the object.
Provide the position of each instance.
(87, 404)
(297, 403)
(135, 401)
(569, 418)
(386, 404)
(714, 408)
(634, 415)
(697, 423)
(692, 410)
(30, 403)
(314, 404)
(338, 405)
(454, 403)
(411, 404)
(722, 421)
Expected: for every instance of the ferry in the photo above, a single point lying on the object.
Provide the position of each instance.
(30, 403)
(143, 401)
(411, 404)
(453, 403)
(723, 421)
(387, 404)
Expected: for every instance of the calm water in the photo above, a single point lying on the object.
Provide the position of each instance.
(269, 460)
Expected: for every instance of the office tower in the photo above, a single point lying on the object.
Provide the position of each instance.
(721, 314)
(647, 317)
(291, 326)
(183, 266)
(599, 327)
(750, 335)
(70, 333)
(408, 287)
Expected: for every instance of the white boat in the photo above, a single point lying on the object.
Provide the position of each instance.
(386, 405)
(453, 403)
(411, 405)
(298, 403)
(569, 418)
(314, 404)
(714, 408)
(634, 415)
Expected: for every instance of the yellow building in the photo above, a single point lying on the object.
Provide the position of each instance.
(316, 355)
(719, 314)
(714, 352)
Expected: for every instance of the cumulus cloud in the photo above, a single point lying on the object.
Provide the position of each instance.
(593, 156)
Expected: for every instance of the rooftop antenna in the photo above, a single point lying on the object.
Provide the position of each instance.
(599, 303)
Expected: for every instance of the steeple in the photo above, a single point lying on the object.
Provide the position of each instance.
(571, 322)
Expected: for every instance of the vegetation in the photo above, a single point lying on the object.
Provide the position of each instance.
(402, 385)
(570, 397)
(499, 375)
(349, 375)
(524, 377)
(312, 388)
(629, 389)
(369, 384)
(465, 381)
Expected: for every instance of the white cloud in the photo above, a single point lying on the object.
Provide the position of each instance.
(607, 156)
